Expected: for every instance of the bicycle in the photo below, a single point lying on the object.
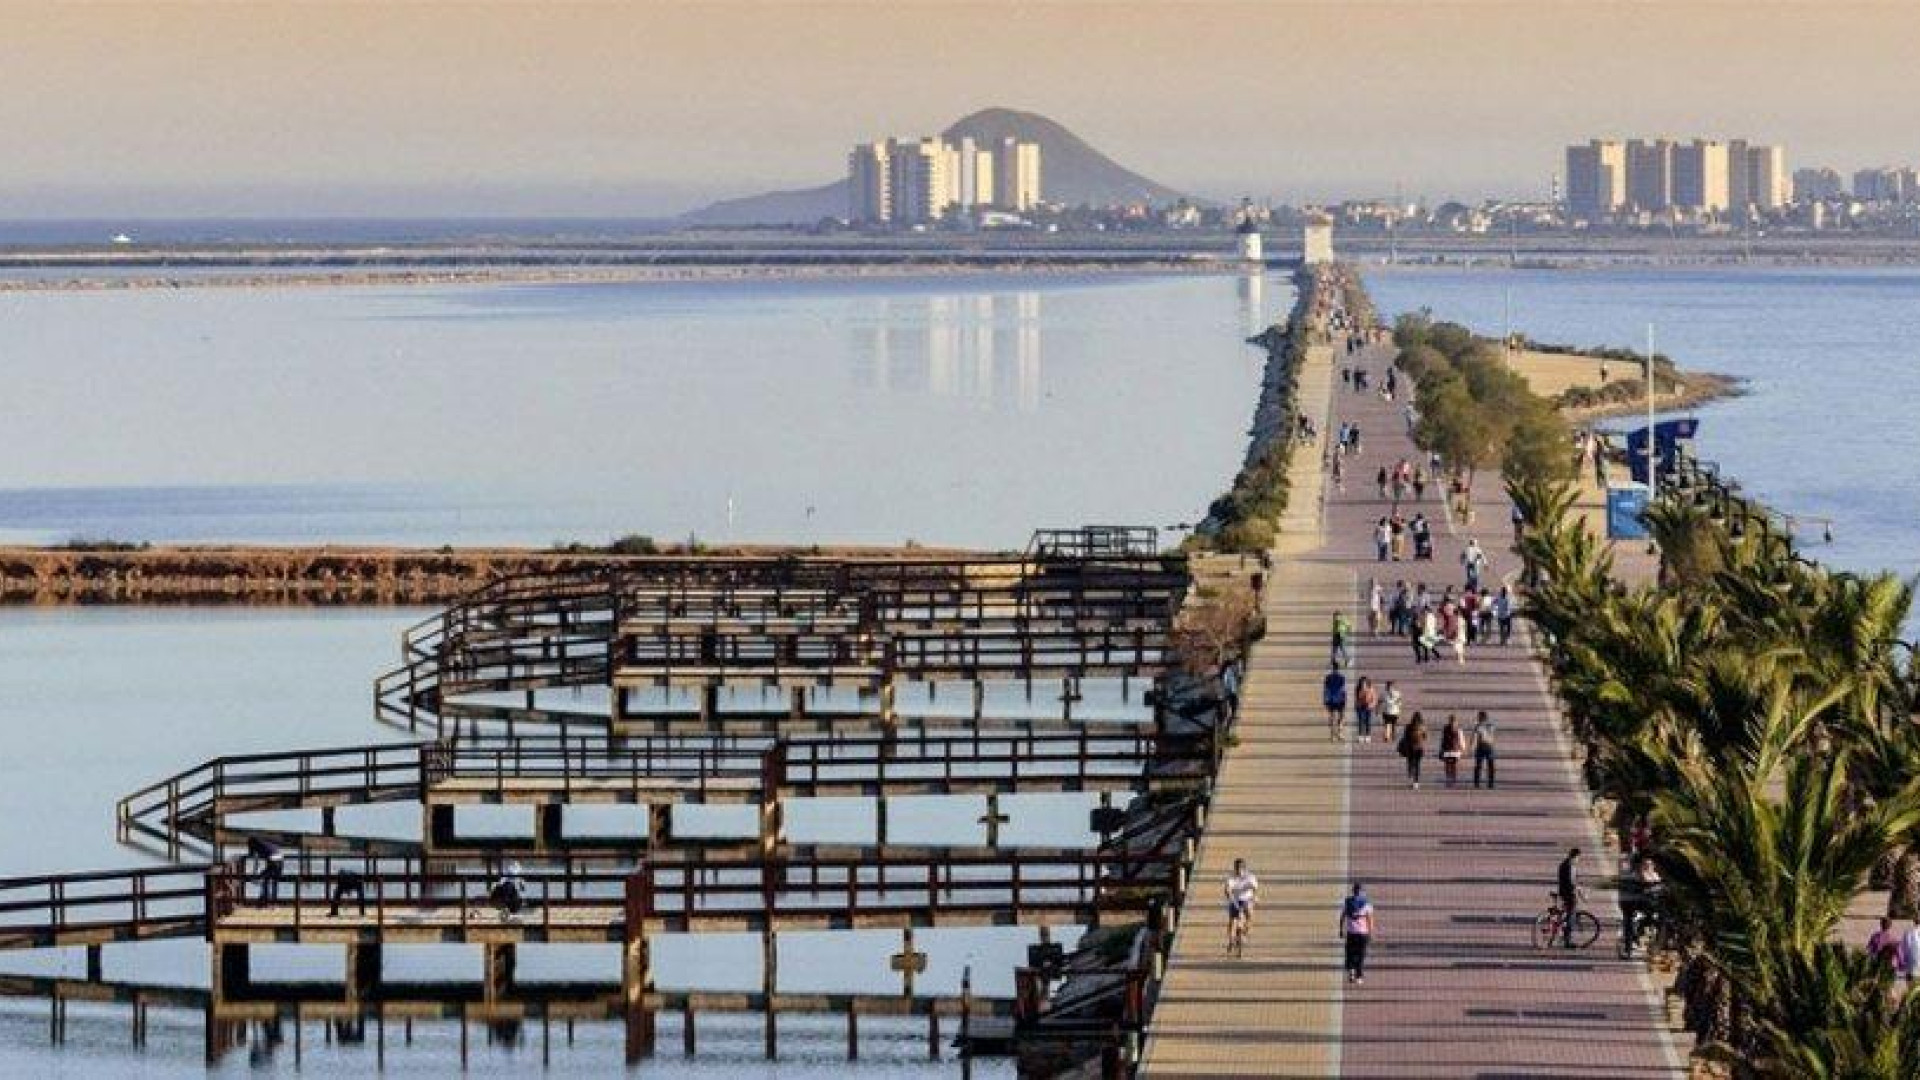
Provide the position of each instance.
(1550, 927)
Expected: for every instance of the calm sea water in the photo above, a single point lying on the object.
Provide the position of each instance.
(1831, 360)
(964, 410)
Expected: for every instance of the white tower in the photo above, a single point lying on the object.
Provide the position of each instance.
(1247, 236)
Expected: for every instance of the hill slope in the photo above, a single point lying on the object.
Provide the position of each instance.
(1071, 172)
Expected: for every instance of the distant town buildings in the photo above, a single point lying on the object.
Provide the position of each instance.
(931, 180)
(1697, 180)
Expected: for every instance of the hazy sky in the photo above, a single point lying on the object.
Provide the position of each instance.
(654, 106)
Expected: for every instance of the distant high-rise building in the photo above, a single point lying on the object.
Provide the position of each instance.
(1596, 179)
(1886, 185)
(1700, 181)
(869, 191)
(918, 178)
(1739, 179)
(1016, 175)
(1768, 185)
(1812, 184)
(1650, 174)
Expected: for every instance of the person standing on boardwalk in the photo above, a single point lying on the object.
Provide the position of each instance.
(1333, 694)
(1342, 633)
(1356, 929)
(1567, 886)
(1413, 747)
(1390, 703)
(1453, 744)
(1484, 752)
(1380, 480)
(1242, 890)
(1503, 613)
(1376, 606)
(1382, 541)
(1365, 700)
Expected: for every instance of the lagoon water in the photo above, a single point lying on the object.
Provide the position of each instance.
(1830, 358)
(953, 410)
(960, 410)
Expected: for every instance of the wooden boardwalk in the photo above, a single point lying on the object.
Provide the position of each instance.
(1454, 988)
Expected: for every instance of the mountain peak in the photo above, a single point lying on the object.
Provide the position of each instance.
(1071, 172)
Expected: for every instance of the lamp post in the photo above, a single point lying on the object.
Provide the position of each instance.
(1653, 480)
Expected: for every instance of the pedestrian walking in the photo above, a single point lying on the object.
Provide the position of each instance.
(1356, 931)
(1342, 633)
(1453, 745)
(1376, 606)
(1390, 704)
(1503, 613)
(1242, 889)
(1365, 700)
(1475, 562)
(1333, 694)
(1910, 954)
(1380, 480)
(1419, 482)
(1485, 748)
(1382, 540)
(1456, 634)
(1413, 747)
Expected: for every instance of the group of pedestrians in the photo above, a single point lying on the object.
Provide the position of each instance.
(1393, 532)
(1402, 480)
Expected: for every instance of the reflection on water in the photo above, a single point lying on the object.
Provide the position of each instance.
(1253, 308)
(981, 346)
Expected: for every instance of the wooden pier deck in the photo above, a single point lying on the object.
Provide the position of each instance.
(1453, 988)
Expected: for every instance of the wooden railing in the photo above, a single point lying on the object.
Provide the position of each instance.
(100, 906)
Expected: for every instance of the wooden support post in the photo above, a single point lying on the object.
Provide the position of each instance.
(993, 819)
(797, 702)
(636, 981)
(364, 970)
(769, 984)
(659, 824)
(95, 963)
(498, 962)
(640, 1033)
(909, 962)
(551, 826)
(880, 822)
(772, 824)
(688, 1032)
(327, 823)
(979, 702)
(439, 830)
(853, 1032)
(933, 1036)
(889, 716)
(232, 971)
(709, 703)
(617, 711)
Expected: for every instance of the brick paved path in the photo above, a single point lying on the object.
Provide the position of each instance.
(1454, 988)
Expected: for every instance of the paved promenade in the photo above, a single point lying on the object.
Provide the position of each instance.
(1454, 988)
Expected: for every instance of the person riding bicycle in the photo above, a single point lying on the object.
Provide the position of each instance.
(1567, 889)
(1242, 888)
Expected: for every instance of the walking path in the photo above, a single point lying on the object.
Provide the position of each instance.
(1454, 987)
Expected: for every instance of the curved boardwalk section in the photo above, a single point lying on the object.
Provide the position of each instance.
(1454, 987)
